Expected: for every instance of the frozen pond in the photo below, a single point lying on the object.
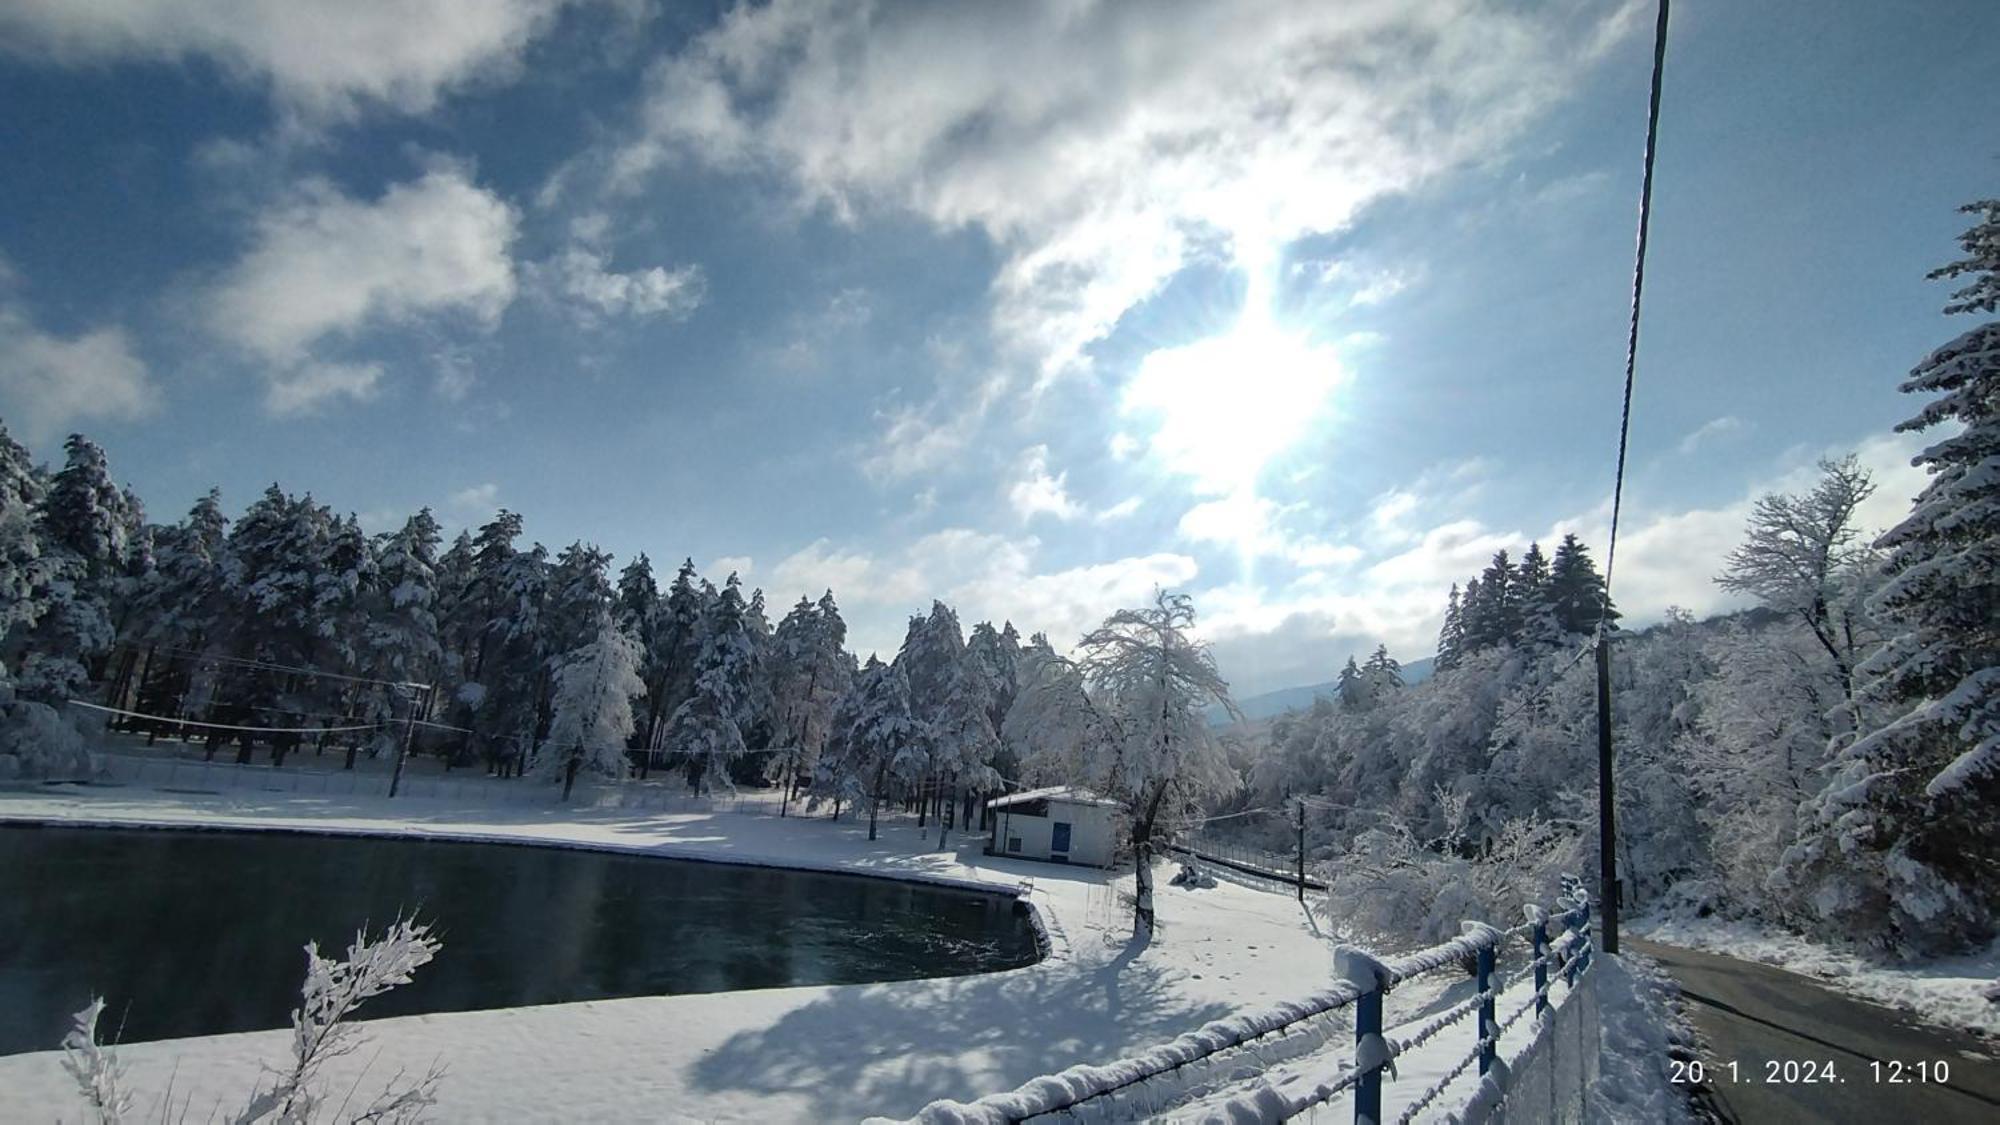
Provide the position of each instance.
(198, 933)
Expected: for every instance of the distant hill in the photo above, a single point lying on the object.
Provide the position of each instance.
(1278, 702)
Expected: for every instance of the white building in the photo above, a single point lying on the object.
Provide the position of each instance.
(1061, 824)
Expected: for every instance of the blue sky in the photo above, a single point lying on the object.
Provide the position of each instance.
(1303, 308)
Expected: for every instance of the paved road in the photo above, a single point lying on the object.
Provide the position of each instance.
(1755, 1016)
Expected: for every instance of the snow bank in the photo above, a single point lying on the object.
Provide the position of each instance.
(1636, 1026)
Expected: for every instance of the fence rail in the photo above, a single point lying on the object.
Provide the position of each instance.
(1291, 1029)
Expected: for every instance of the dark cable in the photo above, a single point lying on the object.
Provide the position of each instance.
(1638, 289)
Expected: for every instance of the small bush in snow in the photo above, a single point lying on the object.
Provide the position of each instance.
(321, 1033)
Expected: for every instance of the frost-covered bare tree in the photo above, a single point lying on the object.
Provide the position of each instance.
(1803, 554)
(1126, 717)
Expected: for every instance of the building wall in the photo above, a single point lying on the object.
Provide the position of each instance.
(1090, 841)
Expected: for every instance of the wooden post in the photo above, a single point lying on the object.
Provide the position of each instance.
(409, 735)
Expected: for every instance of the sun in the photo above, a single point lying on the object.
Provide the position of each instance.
(1226, 405)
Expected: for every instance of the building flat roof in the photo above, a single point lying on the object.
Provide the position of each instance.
(1060, 794)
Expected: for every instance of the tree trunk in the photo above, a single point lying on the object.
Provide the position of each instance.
(569, 777)
(785, 802)
(875, 802)
(353, 748)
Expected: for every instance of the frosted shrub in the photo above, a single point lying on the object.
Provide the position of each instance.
(1395, 889)
(321, 1032)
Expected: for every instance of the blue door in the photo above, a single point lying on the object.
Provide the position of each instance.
(1058, 838)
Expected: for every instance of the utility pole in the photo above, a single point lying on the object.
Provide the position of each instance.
(1302, 849)
(1607, 804)
(409, 732)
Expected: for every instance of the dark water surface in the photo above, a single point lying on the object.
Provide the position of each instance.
(198, 933)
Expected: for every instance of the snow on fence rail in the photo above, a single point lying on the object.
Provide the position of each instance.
(1293, 1028)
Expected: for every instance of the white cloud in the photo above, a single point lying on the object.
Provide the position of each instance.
(323, 264)
(921, 439)
(323, 267)
(476, 498)
(1143, 129)
(1296, 632)
(583, 279)
(325, 58)
(1120, 510)
(1708, 430)
(1241, 520)
(309, 386)
(50, 383)
(1036, 492)
(985, 577)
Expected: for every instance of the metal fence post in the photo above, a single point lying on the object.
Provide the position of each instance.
(1589, 942)
(1541, 936)
(1489, 1047)
(1368, 1025)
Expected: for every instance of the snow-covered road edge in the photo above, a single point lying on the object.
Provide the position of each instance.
(1948, 992)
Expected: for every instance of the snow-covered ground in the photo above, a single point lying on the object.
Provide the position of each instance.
(1956, 992)
(823, 1053)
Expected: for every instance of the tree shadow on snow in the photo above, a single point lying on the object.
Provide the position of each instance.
(891, 1049)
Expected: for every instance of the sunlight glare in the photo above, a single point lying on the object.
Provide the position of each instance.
(1228, 404)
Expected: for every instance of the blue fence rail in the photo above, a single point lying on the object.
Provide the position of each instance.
(1561, 946)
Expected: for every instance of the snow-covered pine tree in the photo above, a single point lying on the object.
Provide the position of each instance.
(34, 741)
(1382, 674)
(177, 604)
(1577, 590)
(708, 729)
(1901, 847)
(637, 612)
(841, 774)
(1127, 717)
(592, 715)
(1351, 687)
(883, 740)
(400, 641)
(1541, 626)
(1500, 605)
(516, 673)
(579, 595)
(83, 527)
(342, 594)
(995, 654)
(943, 692)
(676, 648)
(1471, 619)
(270, 581)
(1451, 635)
(810, 673)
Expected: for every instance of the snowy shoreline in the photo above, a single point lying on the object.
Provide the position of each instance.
(807, 1052)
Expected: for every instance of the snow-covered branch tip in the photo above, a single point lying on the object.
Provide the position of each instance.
(99, 1076)
(332, 992)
